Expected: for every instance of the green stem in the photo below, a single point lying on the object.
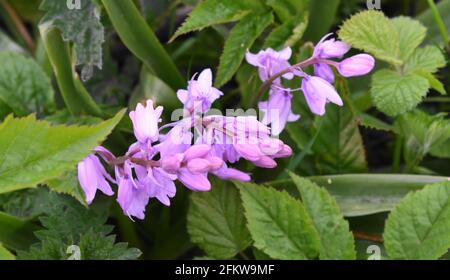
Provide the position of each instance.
(439, 21)
(75, 96)
(397, 154)
(142, 42)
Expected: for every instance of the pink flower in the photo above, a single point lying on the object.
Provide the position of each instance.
(145, 122)
(271, 62)
(318, 92)
(357, 65)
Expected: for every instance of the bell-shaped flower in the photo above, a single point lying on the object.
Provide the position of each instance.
(92, 176)
(271, 62)
(200, 93)
(145, 122)
(318, 92)
(357, 65)
(330, 48)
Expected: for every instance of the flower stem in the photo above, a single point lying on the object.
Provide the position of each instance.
(266, 85)
(439, 22)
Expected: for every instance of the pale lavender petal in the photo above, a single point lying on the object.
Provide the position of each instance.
(195, 182)
(324, 71)
(197, 151)
(357, 65)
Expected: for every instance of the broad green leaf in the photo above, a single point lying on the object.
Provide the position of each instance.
(68, 184)
(80, 26)
(427, 18)
(24, 87)
(216, 221)
(395, 94)
(432, 80)
(365, 194)
(33, 152)
(278, 223)
(339, 147)
(240, 38)
(336, 240)
(212, 12)
(372, 122)
(287, 9)
(287, 34)
(322, 17)
(25, 204)
(419, 227)
(372, 32)
(422, 132)
(6, 255)
(441, 150)
(428, 58)
(16, 233)
(411, 34)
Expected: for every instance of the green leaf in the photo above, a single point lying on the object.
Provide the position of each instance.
(365, 194)
(372, 32)
(411, 34)
(287, 9)
(67, 224)
(339, 147)
(441, 150)
(216, 221)
(336, 240)
(372, 122)
(322, 17)
(278, 223)
(68, 184)
(240, 38)
(287, 34)
(419, 227)
(33, 152)
(395, 94)
(25, 204)
(432, 80)
(422, 132)
(24, 86)
(429, 58)
(6, 255)
(213, 12)
(16, 233)
(81, 27)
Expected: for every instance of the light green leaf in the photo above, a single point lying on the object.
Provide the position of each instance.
(372, 32)
(216, 221)
(212, 12)
(68, 184)
(372, 122)
(336, 240)
(240, 38)
(419, 227)
(365, 194)
(6, 255)
(287, 34)
(441, 150)
(32, 152)
(432, 80)
(411, 34)
(279, 224)
(80, 26)
(429, 58)
(24, 87)
(395, 94)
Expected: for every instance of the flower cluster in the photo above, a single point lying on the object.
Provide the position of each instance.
(151, 166)
(317, 89)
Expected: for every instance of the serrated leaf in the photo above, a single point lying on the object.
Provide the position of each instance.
(240, 38)
(372, 32)
(6, 255)
(24, 87)
(429, 58)
(372, 122)
(16, 233)
(33, 152)
(432, 80)
(411, 34)
(212, 12)
(339, 147)
(25, 204)
(419, 227)
(336, 240)
(278, 223)
(68, 184)
(395, 94)
(287, 34)
(80, 25)
(216, 221)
